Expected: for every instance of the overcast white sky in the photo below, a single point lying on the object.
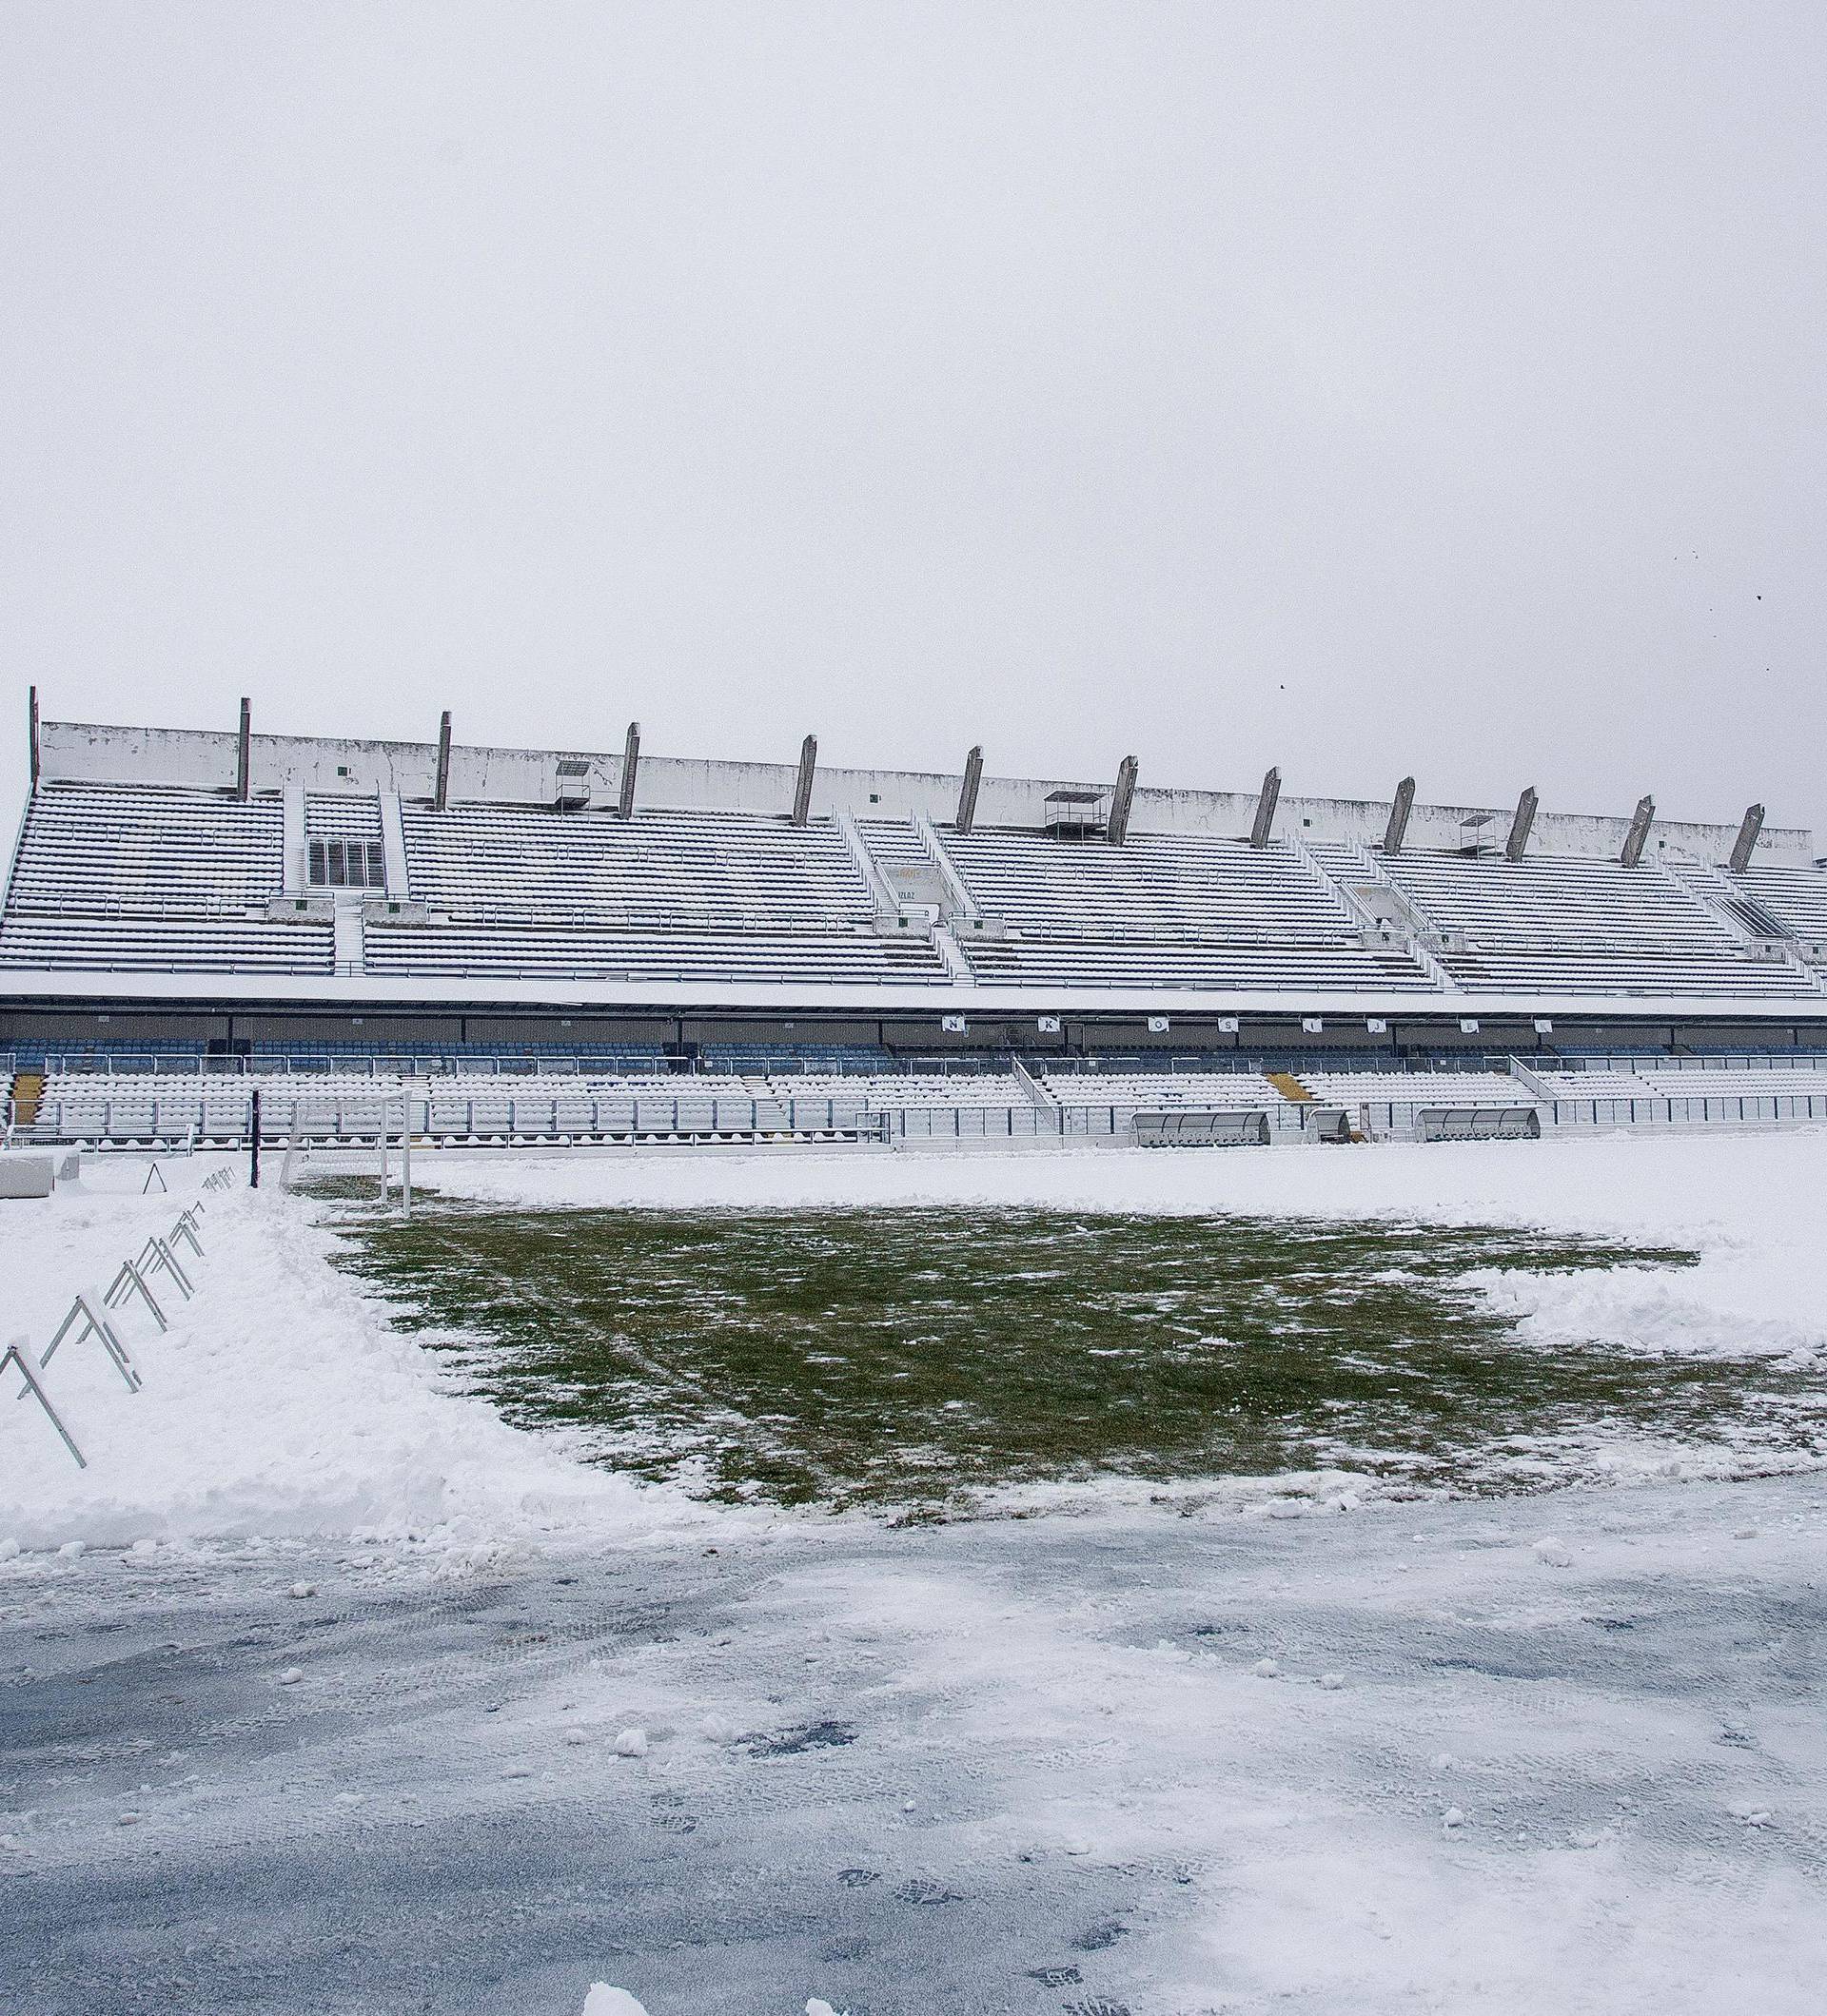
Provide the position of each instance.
(1365, 388)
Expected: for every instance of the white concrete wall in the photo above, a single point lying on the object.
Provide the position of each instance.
(73, 750)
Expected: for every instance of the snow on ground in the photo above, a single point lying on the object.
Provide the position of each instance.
(1553, 1752)
(1404, 1764)
(279, 1401)
(283, 1402)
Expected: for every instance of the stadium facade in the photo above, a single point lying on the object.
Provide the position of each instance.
(236, 892)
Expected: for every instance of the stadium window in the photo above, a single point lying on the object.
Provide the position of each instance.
(349, 864)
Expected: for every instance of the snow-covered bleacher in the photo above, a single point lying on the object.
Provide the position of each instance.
(350, 1105)
(1156, 888)
(1211, 1091)
(1300, 970)
(120, 878)
(1424, 1088)
(336, 862)
(145, 850)
(1165, 910)
(1575, 924)
(1795, 899)
(715, 872)
(556, 950)
(111, 943)
(904, 1089)
(1651, 1081)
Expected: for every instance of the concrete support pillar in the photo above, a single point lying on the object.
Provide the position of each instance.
(1402, 804)
(968, 792)
(1266, 810)
(1747, 840)
(1117, 830)
(245, 751)
(31, 731)
(1637, 837)
(630, 766)
(1521, 827)
(802, 790)
(440, 794)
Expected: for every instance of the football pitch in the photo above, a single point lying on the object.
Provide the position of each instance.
(914, 1360)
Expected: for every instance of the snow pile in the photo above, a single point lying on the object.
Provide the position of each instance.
(279, 1402)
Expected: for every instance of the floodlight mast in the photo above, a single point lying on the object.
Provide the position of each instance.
(441, 797)
(245, 751)
(630, 765)
(1400, 806)
(1637, 837)
(803, 790)
(1116, 828)
(1745, 844)
(1266, 811)
(1522, 826)
(31, 731)
(968, 790)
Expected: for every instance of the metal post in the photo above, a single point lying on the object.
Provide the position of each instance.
(253, 1147)
(16, 1354)
(405, 1157)
(383, 1152)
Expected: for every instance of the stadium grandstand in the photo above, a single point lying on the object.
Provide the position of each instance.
(586, 947)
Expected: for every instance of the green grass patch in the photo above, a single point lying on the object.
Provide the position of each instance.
(900, 1357)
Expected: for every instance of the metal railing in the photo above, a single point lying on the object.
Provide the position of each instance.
(87, 1318)
(1400, 1119)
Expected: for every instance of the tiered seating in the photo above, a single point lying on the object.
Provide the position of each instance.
(524, 891)
(970, 1091)
(146, 850)
(1569, 924)
(525, 948)
(1432, 1089)
(1163, 909)
(169, 1105)
(140, 878)
(702, 871)
(1214, 1091)
(1299, 970)
(1736, 1084)
(1648, 1082)
(114, 944)
(1598, 1084)
(1156, 888)
(1796, 897)
(328, 817)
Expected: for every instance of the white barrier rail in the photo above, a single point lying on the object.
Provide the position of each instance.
(82, 1320)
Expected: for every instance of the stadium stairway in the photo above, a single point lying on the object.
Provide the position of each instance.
(27, 1088)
